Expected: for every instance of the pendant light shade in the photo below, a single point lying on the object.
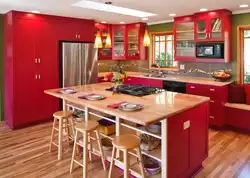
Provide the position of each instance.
(98, 40)
(146, 40)
(108, 40)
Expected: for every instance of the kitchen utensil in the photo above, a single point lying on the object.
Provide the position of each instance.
(67, 91)
(130, 107)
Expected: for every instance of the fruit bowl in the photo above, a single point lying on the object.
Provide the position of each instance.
(222, 76)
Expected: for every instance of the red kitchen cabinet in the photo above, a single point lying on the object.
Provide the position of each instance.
(218, 97)
(184, 38)
(186, 154)
(213, 25)
(144, 81)
(119, 42)
(104, 53)
(134, 38)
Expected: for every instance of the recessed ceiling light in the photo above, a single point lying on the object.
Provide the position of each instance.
(103, 22)
(111, 8)
(203, 9)
(122, 22)
(244, 5)
(36, 12)
(145, 18)
(172, 15)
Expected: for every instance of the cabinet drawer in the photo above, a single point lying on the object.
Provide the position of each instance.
(216, 114)
(196, 89)
(156, 83)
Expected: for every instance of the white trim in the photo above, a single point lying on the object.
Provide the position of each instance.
(160, 22)
(241, 11)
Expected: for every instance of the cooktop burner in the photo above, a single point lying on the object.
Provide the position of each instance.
(137, 90)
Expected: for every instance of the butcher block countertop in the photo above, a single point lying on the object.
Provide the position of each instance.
(195, 80)
(156, 106)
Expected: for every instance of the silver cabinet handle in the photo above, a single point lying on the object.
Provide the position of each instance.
(36, 76)
(76, 36)
(36, 60)
(79, 36)
(211, 89)
(211, 101)
(209, 35)
(39, 76)
(192, 87)
(39, 60)
(211, 117)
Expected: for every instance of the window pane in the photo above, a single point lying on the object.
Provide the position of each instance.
(247, 33)
(162, 50)
(157, 38)
(247, 56)
(162, 38)
(157, 52)
(169, 55)
(169, 37)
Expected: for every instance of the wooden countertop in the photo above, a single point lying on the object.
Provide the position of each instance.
(196, 80)
(157, 106)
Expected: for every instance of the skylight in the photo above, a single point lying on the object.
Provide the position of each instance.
(111, 8)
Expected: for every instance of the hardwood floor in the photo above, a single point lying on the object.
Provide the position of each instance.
(24, 154)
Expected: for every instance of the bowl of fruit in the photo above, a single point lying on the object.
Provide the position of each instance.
(222, 76)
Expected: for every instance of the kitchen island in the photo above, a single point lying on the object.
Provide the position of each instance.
(183, 118)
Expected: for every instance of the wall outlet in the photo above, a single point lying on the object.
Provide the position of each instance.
(186, 125)
(182, 67)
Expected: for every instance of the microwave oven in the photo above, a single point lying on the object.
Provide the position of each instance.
(210, 50)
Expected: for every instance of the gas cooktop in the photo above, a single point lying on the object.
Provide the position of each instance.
(137, 90)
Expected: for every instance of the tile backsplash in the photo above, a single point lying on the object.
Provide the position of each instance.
(143, 66)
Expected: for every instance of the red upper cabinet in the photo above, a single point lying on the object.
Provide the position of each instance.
(213, 25)
(119, 42)
(134, 46)
(104, 53)
(184, 38)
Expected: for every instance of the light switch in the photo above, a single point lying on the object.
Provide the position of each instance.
(182, 67)
(186, 125)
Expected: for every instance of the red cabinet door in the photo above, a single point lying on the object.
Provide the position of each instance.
(156, 83)
(201, 27)
(104, 53)
(66, 30)
(118, 42)
(47, 68)
(24, 72)
(178, 149)
(86, 30)
(133, 41)
(196, 89)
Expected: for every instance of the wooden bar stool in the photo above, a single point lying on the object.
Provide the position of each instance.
(125, 143)
(63, 123)
(87, 127)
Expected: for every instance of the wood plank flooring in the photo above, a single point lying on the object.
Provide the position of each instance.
(24, 154)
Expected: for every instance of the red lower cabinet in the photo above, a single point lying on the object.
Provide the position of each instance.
(218, 97)
(187, 141)
(144, 81)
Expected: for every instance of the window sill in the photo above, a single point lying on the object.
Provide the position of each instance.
(165, 69)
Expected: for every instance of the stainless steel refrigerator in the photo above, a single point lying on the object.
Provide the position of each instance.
(79, 64)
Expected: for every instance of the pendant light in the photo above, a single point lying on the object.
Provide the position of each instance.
(108, 40)
(146, 40)
(98, 40)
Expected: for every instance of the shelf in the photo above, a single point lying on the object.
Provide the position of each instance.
(133, 42)
(201, 32)
(132, 35)
(188, 31)
(119, 36)
(216, 31)
(184, 40)
(133, 49)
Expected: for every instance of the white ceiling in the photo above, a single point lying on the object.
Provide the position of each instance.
(160, 7)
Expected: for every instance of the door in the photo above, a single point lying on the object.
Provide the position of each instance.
(24, 71)
(88, 63)
(105, 52)
(71, 74)
(133, 41)
(119, 42)
(201, 28)
(215, 28)
(67, 30)
(46, 68)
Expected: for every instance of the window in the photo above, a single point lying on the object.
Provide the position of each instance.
(163, 50)
(246, 56)
(243, 54)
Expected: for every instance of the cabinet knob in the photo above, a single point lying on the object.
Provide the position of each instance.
(211, 89)
(39, 60)
(79, 36)
(211, 117)
(192, 87)
(209, 35)
(39, 76)
(36, 77)
(186, 125)
(76, 36)
(211, 101)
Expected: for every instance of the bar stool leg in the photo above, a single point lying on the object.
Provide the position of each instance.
(52, 135)
(74, 153)
(67, 130)
(112, 162)
(90, 147)
(126, 162)
(100, 149)
(85, 154)
(60, 150)
(140, 162)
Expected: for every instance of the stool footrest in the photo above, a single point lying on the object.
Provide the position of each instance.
(78, 162)
(54, 144)
(56, 129)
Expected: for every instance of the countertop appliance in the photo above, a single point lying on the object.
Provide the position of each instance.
(179, 87)
(78, 64)
(210, 50)
(137, 90)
